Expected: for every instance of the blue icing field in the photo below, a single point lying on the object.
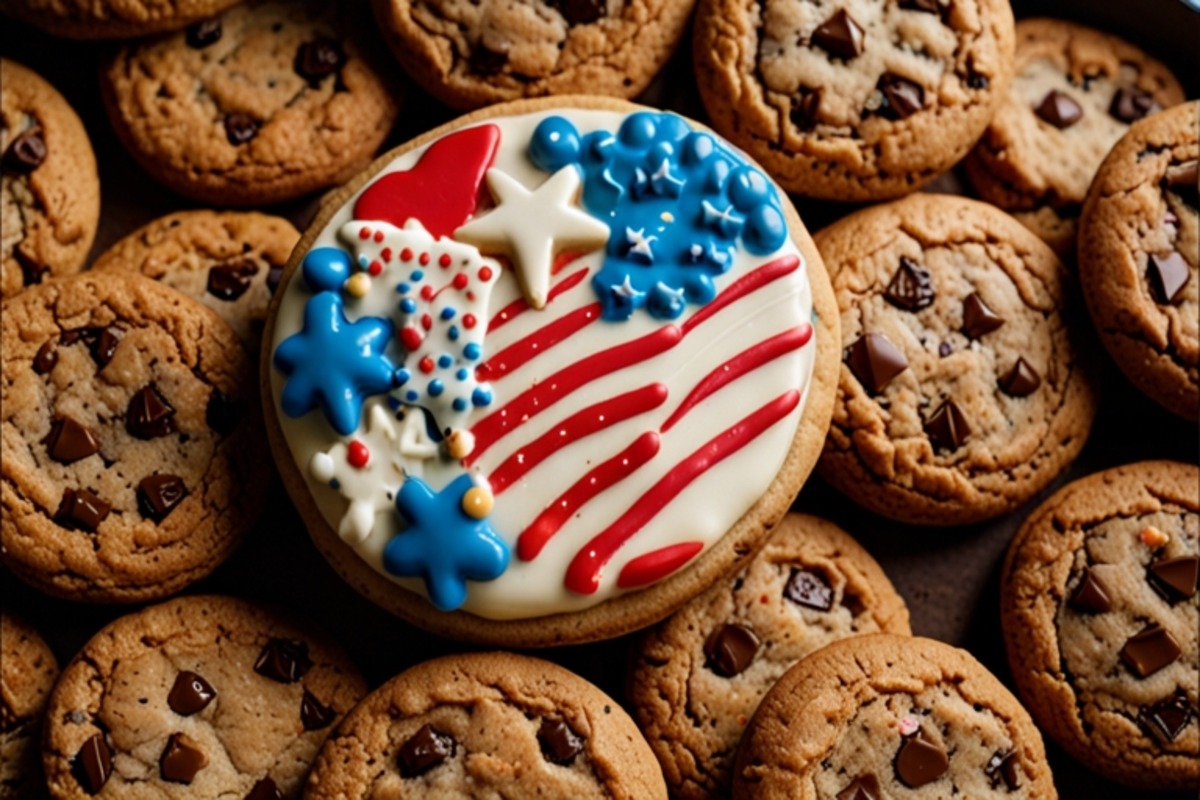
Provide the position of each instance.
(677, 202)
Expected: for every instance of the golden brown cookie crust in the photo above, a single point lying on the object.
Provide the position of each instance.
(112, 19)
(27, 673)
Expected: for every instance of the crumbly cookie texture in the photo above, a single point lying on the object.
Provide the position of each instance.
(472, 54)
(1074, 94)
(961, 394)
(698, 678)
(228, 260)
(1139, 257)
(891, 716)
(1100, 616)
(132, 452)
(487, 725)
(112, 19)
(50, 190)
(856, 100)
(269, 101)
(197, 697)
(27, 673)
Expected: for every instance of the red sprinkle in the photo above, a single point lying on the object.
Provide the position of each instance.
(378, 236)
(424, 259)
(426, 365)
(357, 454)
(426, 321)
(427, 292)
(485, 274)
(461, 280)
(365, 233)
(386, 254)
(444, 261)
(469, 321)
(375, 268)
(410, 337)
(406, 254)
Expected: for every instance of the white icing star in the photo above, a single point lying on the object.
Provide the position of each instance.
(532, 227)
(664, 183)
(626, 290)
(639, 243)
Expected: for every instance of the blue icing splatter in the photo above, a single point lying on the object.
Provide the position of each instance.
(677, 203)
(334, 363)
(325, 269)
(442, 543)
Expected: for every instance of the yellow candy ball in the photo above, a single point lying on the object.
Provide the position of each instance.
(477, 502)
(358, 284)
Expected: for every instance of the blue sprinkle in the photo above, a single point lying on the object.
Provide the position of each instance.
(448, 313)
(462, 374)
(436, 387)
(402, 376)
(408, 306)
(363, 261)
(416, 275)
(452, 333)
(445, 360)
(460, 404)
(472, 352)
(402, 288)
(411, 396)
(482, 396)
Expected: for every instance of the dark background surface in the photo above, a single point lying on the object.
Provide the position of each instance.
(949, 577)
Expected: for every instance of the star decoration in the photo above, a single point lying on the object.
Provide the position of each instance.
(726, 222)
(532, 227)
(334, 363)
(443, 543)
(639, 244)
(662, 182)
(626, 297)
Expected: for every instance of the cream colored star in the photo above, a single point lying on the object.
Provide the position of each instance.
(532, 227)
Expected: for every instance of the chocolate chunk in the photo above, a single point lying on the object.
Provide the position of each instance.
(265, 789)
(1059, 109)
(159, 494)
(809, 589)
(804, 109)
(283, 660)
(978, 318)
(1091, 595)
(425, 750)
(840, 35)
(1150, 650)
(911, 287)
(222, 412)
(901, 97)
(1129, 105)
(191, 694)
(230, 281)
(947, 428)
(930, 6)
(559, 743)
(874, 360)
(181, 759)
(1184, 179)
(1002, 766)
(313, 713)
(1167, 276)
(581, 12)
(203, 33)
(101, 342)
(319, 59)
(81, 510)
(26, 152)
(46, 358)
(730, 649)
(32, 271)
(1175, 578)
(1022, 380)
(919, 762)
(945, 349)
(864, 787)
(69, 441)
(1165, 720)
(93, 764)
(149, 414)
(489, 60)
(977, 81)
(240, 128)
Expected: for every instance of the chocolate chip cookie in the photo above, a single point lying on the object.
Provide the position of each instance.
(230, 261)
(112, 19)
(1100, 616)
(27, 673)
(1139, 248)
(961, 393)
(49, 187)
(717, 656)
(853, 100)
(884, 716)
(265, 103)
(1075, 92)
(198, 697)
(486, 725)
(133, 461)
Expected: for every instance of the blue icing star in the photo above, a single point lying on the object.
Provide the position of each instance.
(334, 363)
(658, 182)
(442, 543)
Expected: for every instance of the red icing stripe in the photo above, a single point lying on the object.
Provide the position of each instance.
(522, 351)
(767, 273)
(746, 361)
(519, 305)
(656, 565)
(614, 470)
(590, 420)
(583, 574)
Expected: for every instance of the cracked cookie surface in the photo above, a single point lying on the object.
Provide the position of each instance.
(698, 678)
(27, 673)
(132, 439)
(270, 102)
(111, 19)
(961, 395)
(198, 697)
(1100, 617)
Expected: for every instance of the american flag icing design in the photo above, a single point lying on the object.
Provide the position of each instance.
(601, 442)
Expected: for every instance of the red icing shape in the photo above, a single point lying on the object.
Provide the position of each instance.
(657, 564)
(442, 190)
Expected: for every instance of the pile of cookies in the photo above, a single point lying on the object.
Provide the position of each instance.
(562, 373)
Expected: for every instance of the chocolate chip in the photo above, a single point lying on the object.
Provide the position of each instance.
(977, 81)
(1167, 276)
(1165, 720)
(730, 649)
(874, 360)
(978, 318)
(947, 428)
(32, 271)
(274, 276)
(581, 12)
(283, 660)
(809, 589)
(230, 281)
(559, 743)
(1130, 104)
(314, 715)
(93, 764)
(265, 789)
(1183, 176)
(425, 750)
(46, 358)
(101, 342)
(1059, 109)
(240, 128)
(26, 152)
(840, 35)
(1002, 766)
(489, 60)
(920, 762)
(1022, 380)
(81, 510)
(1149, 650)
(1091, 595)
(159, 494)
(149, 414)
(69, 441)
(930, 6)
(864, 787)
(1175, 578)
(911, 287)
(181, 759)
(191, 694)
(804, 109)
(319, 59)
(901, 97)
(945, 349)
(201, 34)
(222, 412)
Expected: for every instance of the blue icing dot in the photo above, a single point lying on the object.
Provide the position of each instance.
(638, 129)
(555, 144)
(765, 231)
(472, 352)
(748, 188)
(411, 396)
(416, 275)
(402, 288)
(448, 313)
(325, 269)
(482, 396)
(445, 360)
(462, 374)
(402, 376)
(460, 404)
(436, 387)
(452, 333)
(408, 305)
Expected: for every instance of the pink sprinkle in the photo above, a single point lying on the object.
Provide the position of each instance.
(908, 726)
